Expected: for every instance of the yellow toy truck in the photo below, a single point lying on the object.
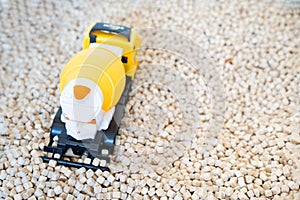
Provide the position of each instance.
(94, 86)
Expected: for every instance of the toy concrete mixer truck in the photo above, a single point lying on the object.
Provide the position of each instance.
(94, 86)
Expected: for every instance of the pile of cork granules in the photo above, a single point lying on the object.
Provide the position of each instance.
(214, 112)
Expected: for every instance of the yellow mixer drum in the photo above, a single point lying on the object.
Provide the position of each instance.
(100, 66)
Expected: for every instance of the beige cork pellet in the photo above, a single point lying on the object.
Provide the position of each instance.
(213, 112)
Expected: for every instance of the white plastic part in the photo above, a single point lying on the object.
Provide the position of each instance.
(81, 130)
(117, 50)
(78, 114)
(86, 109)
(106, 119)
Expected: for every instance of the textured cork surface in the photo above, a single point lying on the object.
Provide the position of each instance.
(214, 112)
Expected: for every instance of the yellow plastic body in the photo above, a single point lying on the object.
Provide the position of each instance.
(129, 47)
(100, 66)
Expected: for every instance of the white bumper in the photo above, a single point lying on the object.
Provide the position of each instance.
(81, 131)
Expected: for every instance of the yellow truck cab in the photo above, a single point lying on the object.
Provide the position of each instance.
(116, 35)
